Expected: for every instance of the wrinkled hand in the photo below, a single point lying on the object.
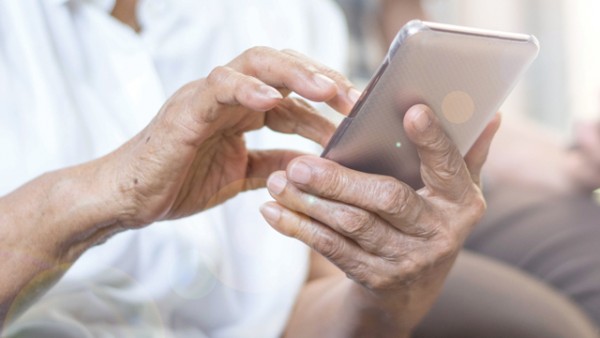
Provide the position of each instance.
(384, 235)
(583, 160)
(192, 155)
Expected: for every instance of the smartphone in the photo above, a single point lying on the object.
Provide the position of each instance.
(463, 74)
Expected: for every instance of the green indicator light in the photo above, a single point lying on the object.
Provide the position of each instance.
(398, 144)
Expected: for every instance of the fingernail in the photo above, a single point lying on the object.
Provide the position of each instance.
(299, 172)
(422, 120)
(269, 92)
(276, 183)
(270, 212)
(322, 81)
(354, 95)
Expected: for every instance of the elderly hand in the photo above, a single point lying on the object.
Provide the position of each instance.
(396, 243)
(192, 156)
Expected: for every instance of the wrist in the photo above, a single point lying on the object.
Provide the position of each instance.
(87, 209)
(390, 313)
(402, 308)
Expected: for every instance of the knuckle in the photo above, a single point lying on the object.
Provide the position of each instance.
(379, 282)
(449, 164)
(357, 271)
(290, 51)
(434, 139)
(328, 245)
(443, 150)
(393, 198)
(333, 183)
(219, 75)
(255, 56)
(257, 51)
(355, 223)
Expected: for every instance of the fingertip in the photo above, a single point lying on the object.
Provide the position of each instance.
(276, 183)
(265, 98)
(417, 120)
(496, 121)
(298, 171)
(268, 92)
(271, 211)
(478, 154)
(346, 100)
(353, 95)
(492, 128)
(324, 82)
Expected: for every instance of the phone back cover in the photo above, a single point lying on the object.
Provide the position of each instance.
(463, 77)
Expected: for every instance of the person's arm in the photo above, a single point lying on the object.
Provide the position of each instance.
(46, 224)
(396, 245)
(332, 305)
(191, 157)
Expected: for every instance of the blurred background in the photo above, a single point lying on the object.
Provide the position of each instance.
(563, 84)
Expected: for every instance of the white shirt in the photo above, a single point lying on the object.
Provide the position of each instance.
(75, 84)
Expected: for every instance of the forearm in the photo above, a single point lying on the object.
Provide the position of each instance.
(338, 307)
(329, 308)
(45, 226)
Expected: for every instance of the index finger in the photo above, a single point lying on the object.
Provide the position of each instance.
(391, 199)
(298, 73)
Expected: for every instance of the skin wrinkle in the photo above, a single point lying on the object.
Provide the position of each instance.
(416, 272)
(225, 185)
(140, 192)
(342, 217)
(408, 216)
(254, 66)
(259, 56)
(328, 245)
(362, 276)
(341, 104)
(295, 127)
(336, 185)
(352, 222)
(394, 199)
(408, 263)
(253, 121)
(198, 175)
(192, 137)
(461, 191)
